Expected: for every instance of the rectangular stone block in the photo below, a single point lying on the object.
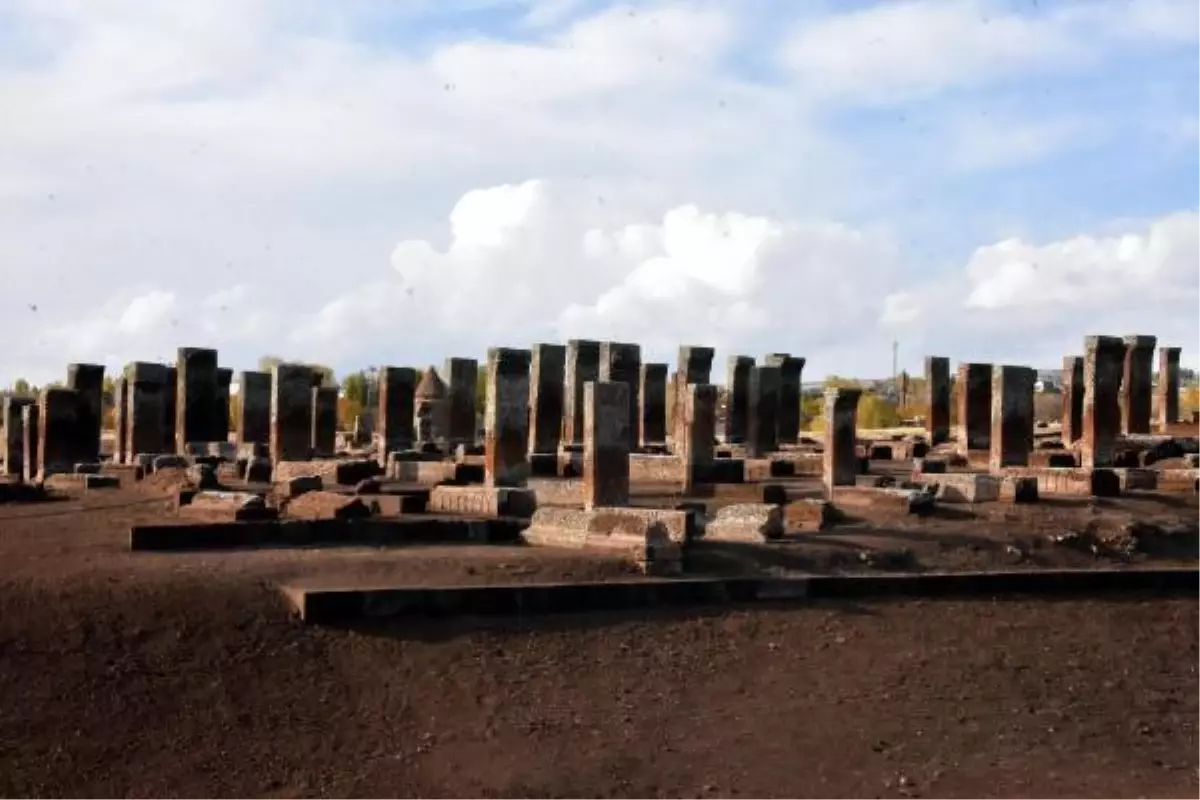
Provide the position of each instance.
(653, 394)
(1018, 490)
(1136, 479)
(648, 468)
(31, 447)
(974, 406)
(1012, 416)
(890, 500)
(746, 522)
(146, 408)
(1179, 480)
(737, 389)
(582, 367)
(224, 378)
(197, 397)
(11, 408)
(791, 369)
(937, 398)
(323, 426)
(650, 539)
(621, 362)
(762, 411)
(1167, 390)
(840, 464)
(606, 444)
(461, 375)
(547, 376)
(87, 380)
(694, 365)
(482, 501)
(253, 423)
(966, 487)
(291, 412)
(1103, 364)
(58, 430)
(1070, 482)
(170, 406)
(397, 406)
(506, 418)
(699, 429)
(120, 419)
(807, 515)
(1072, 398)
(1137, 384)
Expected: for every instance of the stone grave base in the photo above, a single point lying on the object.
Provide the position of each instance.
(651, 539)
(482, 501)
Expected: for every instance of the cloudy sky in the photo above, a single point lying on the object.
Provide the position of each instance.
(367, 182)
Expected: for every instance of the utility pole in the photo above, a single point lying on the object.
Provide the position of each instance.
(895, 376)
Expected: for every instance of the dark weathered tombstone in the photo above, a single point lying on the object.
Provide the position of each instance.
(1103, 363)
(253, 423)
(698, 431)
(1168, 387)
(737, 383)
(974, 406)
(583, 366)
(605, 444)
(87, 380)
(11, 408)
(506, 418)
(1072, 398)
(791, 369)
(221, 429)
(840, 458)
(196, 397)
(59, 434)
(1012, 416)
(397, 409)
(149, 386)
(762, 419)
(461, 376)
(653, 394)
(621, 362)
(291, 412)
(547, 376)
(937, 398)
(1137, 389)
(324, 420)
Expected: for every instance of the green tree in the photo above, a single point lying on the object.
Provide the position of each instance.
(357, 387)
(22, 387)
(265, 363)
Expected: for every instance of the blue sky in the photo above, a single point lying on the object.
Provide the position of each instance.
(368, 183)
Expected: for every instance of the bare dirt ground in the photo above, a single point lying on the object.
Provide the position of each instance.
(183, 674)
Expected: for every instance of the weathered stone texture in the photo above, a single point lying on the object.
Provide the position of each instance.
(653, 394)
(506, 418)
(694, 365)
(30, 444)
(169, 407)
(937, 398)
(746, 522)
(323, 429)
(397, 406)
(791, 369)
(145, 408)
(1167, 391)
(221, 430)
(120, 419)
(197, 396)
(699, 428)
(649, 538)
(1103, 363)
(622, 363)
(482, 501)
(737, 387)
(430, 408)
(582, 367)
(461, 375)
(291, 412)
(1012, 416)
(762, 417)
(974, 406)
(253, 424)
(606, 444)
(547, 376)
(87, 380)
(1137, 384)
(59, 431)
(840, 462)
(1072, 398)
(11, 408)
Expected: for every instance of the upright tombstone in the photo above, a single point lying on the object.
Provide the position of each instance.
(59, 431)
(699, 429)
(1137, 384)
(1103, 363)
(149, 386)
(937, 398)
(87, 380)
(791, 369)
(547, 376)
(1167, 402)
(762, 419)
(605, 444)
(11, 408)
(582, 366)
(31, 447)
(170, 406)
(323, 430)
(694, 366)
(397, 408)
(506, 418)
(840, 461)
(291, 412)
(1072, 399)
(653, 393)
(974, 406)
(196, 397)
(429, 409)
(253, 423)
(120, 419)
(1012, 416)
(621, 362)
(737, 397)
(221, 427)
(461, 375)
